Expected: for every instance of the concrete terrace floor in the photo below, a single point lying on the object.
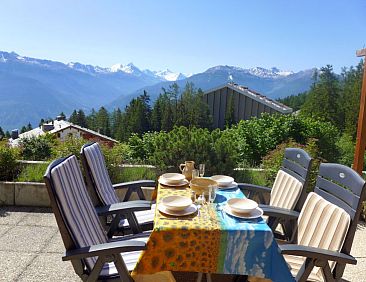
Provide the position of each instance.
(31, 249)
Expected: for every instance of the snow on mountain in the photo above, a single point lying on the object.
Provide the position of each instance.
(129, 68)
(272, 73)
(169, 75)
(257, 71)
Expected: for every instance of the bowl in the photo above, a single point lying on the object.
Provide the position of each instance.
(176, 203)
(223, 180)
(242, 205)
(173, 178)
(200, 185)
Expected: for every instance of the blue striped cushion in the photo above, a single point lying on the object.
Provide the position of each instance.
(76, 206)
(103, 183)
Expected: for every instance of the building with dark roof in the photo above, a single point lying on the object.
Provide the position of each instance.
(62, 129)
(242, 101)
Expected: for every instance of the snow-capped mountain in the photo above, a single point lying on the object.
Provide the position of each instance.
(129, 68)
(273, 82)
(257, 71)
(166, 75)
(31, 89)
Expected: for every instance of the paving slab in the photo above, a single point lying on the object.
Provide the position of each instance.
(4, 229)
(12, 215)
(49, 267)
(26, 239)
(55, 245)
(13, 264)
(356, 272)
(39, 219)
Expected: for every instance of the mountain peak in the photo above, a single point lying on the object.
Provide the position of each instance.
(130, 68)
(257, 71)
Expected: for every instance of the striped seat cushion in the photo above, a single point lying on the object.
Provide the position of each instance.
(323, 225)
(143, 216)
(130, 259)
(80, 216)
(286, 191)
(76, 207)
(96, 162)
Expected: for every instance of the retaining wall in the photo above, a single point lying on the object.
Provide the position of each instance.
(35, 194)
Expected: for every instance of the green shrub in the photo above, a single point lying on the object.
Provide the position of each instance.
(9, 167)
(272, 162)
(217, 149)
(258, 136)
(126, 174)
(71, 146)
(36, 148)
(346, 146)
(251, 176)
(32, 173)
(114, 157)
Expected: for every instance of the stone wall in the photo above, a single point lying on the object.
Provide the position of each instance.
(35, 194)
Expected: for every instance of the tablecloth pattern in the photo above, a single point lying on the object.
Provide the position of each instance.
(213, 242)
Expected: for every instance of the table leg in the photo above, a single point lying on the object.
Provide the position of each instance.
(199, 277)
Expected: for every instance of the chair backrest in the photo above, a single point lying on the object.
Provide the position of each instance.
(75, 214)
(289, 188)
(345, 188)
(330, 215)
(99, 184)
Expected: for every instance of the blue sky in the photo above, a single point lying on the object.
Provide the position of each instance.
(188, 36)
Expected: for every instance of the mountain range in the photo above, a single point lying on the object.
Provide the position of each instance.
(31, 89)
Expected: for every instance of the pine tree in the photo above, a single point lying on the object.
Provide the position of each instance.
(323, 98)
(102, 121)
(73, 117)
(41, 122)
(117, 124)
(23, 129)
(2, 134)
(7, 134)
(91, 120)
(81, 118)
(29, 126)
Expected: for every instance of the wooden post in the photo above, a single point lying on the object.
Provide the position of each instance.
(361, 128)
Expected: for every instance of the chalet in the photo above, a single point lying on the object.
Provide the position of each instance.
(244, 103)
(62, 129)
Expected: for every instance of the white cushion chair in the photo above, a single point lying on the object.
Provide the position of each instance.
(321, 244)
(288, 191)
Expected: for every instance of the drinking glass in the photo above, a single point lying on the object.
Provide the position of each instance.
(195, 173)
(212, 193)
(202, 170)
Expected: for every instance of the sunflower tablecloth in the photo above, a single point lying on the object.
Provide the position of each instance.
(212, 242)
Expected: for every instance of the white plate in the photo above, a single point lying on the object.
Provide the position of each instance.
(165, 183)
(190, 210)
(176, 202)
(258, 212)
(231, 186)
(173, 178)
(223, 180)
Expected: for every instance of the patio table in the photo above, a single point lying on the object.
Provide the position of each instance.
(213, 242)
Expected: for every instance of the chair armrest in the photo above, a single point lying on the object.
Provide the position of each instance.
(252, 190)
(279, 213)
(124, 207)
(316, 253)
(138, 183)
(134, 187)
(109, 248)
